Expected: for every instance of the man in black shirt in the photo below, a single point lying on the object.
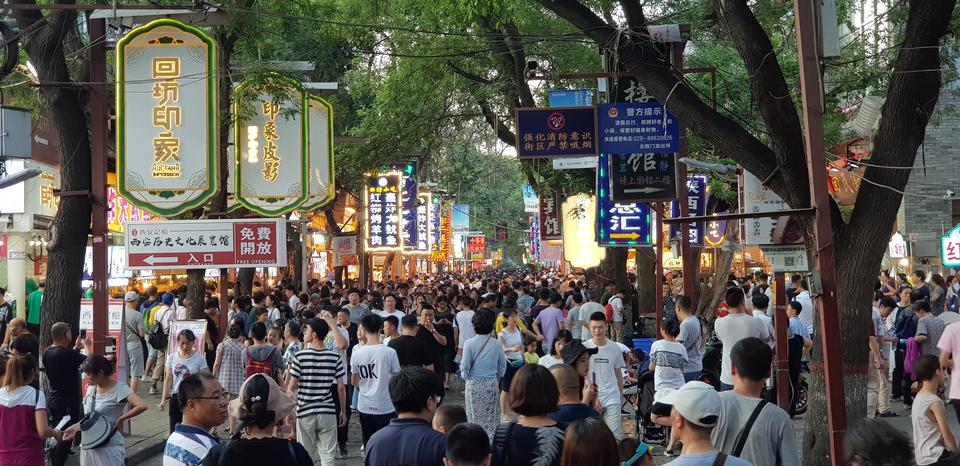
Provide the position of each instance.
(433, 340)
(61, 362)
(6, 312)
(410, 350)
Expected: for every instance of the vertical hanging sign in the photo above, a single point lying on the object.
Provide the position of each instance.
(382, 199)
(620, 223)
(424, 208)
(166, 118)
(442, 248)
(320, 142)
(272, 147)
(697, 190)
(549, 216)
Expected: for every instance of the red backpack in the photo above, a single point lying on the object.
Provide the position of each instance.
(258, 366)
(609, 310)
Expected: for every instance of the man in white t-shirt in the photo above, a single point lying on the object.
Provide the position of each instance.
(586, 310)
(760, 303)
(390, 308)
(736, 326)
(605, 371)
(371, 367)
(616, 302)
(463, 324)
(806, 303)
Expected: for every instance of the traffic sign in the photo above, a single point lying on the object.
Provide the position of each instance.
(790, 258)
(203, 244)
(643, 177)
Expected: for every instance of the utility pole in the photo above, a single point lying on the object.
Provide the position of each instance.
(98, 180)
(810, 87)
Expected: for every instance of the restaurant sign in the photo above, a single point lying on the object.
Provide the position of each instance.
(167, 117)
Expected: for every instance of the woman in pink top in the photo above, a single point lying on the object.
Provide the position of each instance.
(23, 415)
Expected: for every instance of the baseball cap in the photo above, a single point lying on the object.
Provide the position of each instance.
(697, 402)
(572, 351)
(167, 299)
(131, 296)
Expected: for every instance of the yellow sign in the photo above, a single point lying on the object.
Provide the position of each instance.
(166, 115)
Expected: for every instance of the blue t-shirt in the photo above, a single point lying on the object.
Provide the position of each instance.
(406, 442)
(798, 328)
(706, 459)
(568, 413)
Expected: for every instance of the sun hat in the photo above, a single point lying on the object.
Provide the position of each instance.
(279, 402)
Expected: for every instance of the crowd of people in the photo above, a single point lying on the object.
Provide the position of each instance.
(547, 369)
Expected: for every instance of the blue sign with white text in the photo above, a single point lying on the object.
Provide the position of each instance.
(571, 97)
(624, 224)
(556, 132)
(696, 206)
(637, 127)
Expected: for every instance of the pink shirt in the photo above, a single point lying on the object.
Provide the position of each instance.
(950, 343)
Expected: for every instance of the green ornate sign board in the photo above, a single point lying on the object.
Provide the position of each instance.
(272, 148)
(322, 190)
(167, 141)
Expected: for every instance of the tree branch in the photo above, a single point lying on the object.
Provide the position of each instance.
(769, 88)
(468, 75)
(640, 57)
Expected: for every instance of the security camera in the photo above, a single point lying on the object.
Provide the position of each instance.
(532, 65)
(950, 193)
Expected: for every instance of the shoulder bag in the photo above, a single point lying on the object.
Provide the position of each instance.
(742, 437)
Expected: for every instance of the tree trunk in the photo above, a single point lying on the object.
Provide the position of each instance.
(245, 281)
(647, 280)
(71, 224)
(712, 289)
(196, 293)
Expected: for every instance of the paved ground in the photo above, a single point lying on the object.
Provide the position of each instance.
(145, 444)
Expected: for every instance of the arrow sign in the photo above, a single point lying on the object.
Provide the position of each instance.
(643, 190)
(624, 236)
(153, 260)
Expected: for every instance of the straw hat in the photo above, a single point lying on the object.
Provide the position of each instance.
(278, 401)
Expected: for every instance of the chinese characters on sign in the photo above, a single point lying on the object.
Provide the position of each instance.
(442, 248)
(619, 223)
(637, 127)
(643, 177)
(556, 132)
(715, 234)
(166, 117)
(48, 200)
(765, 230)
(549, 216)
(570, 97)
(697, 190)
(476, 244)
(382, 198)
(200, 244)
(535, 250)
(423, 223)
(120, 212)
(950, 248)
(897, 248)
(273, 160)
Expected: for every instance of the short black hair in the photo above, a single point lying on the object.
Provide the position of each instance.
(796, 306)
(258, 331)
(371, 323)
(393, 320)
(233, 331)
(191, 387)
(577, 298)
(920, 274)
(684, 302)
(508, 313)
(483, 322)
(734, 296)
(450, 416)
(925, 367)
(598, 316)
(752, 358)
(887, 301)
(922, 305)
(412, 387)
(760, 301)
(319, 326)
(96, 364)
(671, 327)
(188, 334)
(874, 442)
(467, 445)
(409, 321)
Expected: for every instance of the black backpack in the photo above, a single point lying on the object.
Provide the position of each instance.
(760, 289)
(157, 336)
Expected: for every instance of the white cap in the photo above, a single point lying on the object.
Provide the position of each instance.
(131, 296)
(697, 402)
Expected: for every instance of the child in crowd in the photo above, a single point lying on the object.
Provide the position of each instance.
(933, 441)
(447, 417)
(530, 346)
(667, 357)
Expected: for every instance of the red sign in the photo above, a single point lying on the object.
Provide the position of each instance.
(202, 244)
(476, 244)
(501, 232)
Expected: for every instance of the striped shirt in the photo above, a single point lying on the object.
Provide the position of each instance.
(187, 446)
(317, 372)
(231, 374)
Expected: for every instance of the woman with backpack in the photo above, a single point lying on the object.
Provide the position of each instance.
(24, 412)
(184, 361)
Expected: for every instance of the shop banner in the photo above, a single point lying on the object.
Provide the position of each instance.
(443, 249)
(531, 204)
(198, 327)
(756, 198)
(697, 190)
(550, 215)
(637, 127)
(570, 97)
(620, 223)
(950, 248)
(382, 201)
(535, 238)
(203, 244)
(272, 147)
(476, 244)
(166, 117)
(344, 244)
(422, 224)
(556, 132)
(715, 233)
(321, 186)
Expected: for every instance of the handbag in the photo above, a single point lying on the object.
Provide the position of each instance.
(95, 429)
(143, 342)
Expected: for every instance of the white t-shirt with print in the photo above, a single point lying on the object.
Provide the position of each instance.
(464, 323)
(669, 358)
(605, 365)
(375, 365)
